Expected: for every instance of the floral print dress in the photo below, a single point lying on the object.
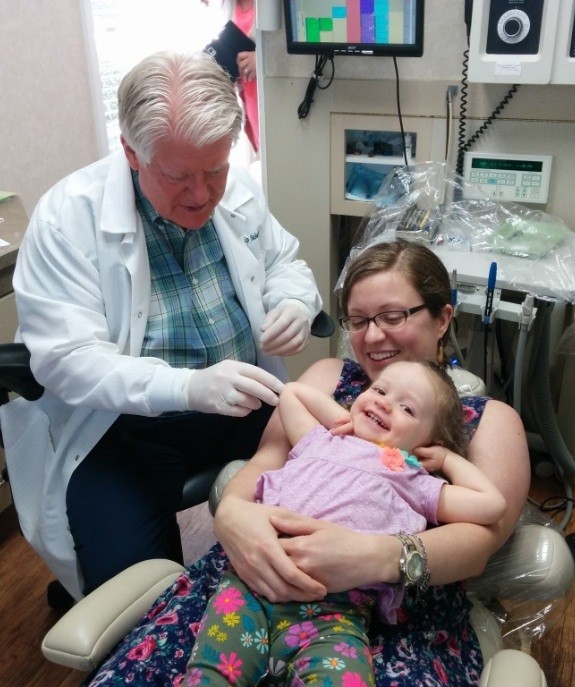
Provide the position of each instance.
(431, 646)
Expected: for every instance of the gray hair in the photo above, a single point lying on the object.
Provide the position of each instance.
(184, 96)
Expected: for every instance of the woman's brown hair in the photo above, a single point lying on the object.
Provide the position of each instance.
(420, 266)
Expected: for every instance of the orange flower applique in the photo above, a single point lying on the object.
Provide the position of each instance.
(393, 459)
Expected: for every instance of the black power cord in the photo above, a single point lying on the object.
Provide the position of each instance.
(555, 505)
(320, 62)
(496, 112)
(461, 147)
(399, 113)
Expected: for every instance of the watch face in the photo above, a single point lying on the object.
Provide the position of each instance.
(414, 567)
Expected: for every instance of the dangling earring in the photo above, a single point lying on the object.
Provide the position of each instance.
(440, 353)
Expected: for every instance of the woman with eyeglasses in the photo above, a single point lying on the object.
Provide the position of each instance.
(396, 303)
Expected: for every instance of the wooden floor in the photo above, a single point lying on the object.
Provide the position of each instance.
(555, 650)
(24, 614)
(25, 618)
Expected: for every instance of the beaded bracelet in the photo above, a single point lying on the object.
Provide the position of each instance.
(423, 585)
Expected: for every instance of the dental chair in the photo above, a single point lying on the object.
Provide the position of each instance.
(85, 635)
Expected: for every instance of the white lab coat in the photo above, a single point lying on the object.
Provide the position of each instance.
(82, 286)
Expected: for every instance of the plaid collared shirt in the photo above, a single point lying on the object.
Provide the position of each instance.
(195, 317)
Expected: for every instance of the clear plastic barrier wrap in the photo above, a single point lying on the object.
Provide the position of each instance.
(535, 251)
(526, 583)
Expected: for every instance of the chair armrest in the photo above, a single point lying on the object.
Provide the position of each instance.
(487, 629)
(466, 383)
(512, 668)
(322, 326)
(86, 634)
(534, 564)
(15, 372)
(224, 476)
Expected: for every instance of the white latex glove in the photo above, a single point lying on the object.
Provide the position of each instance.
(286, 328)
(232, 388)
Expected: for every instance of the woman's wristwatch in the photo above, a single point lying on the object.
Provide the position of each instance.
(413, 570)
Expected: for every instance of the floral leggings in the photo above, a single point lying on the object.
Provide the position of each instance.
(243, 638)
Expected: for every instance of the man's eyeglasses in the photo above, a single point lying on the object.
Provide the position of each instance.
(392, 319)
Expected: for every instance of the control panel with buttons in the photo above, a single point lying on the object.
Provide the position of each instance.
(507, 177)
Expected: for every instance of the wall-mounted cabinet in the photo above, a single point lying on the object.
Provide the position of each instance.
(364, 150)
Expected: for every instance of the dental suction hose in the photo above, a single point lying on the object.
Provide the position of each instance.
(544, 413)
(524, 324)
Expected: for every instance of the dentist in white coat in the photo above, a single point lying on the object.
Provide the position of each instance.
(156, 294)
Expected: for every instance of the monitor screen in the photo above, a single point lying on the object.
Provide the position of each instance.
(354, 27)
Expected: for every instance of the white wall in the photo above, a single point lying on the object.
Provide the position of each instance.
(45, 106)
(48, 126)
(539, 119)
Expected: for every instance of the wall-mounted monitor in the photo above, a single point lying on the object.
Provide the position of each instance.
(354, 27)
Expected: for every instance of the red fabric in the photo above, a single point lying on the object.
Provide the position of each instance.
(244, 20)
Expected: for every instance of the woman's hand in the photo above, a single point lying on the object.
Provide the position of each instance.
(337, 556)
(253, 547)
(246, 62)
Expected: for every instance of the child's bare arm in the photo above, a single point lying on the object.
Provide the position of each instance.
(302, 407)
(470, 496)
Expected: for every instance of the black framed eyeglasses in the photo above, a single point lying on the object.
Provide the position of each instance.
(391, 319)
